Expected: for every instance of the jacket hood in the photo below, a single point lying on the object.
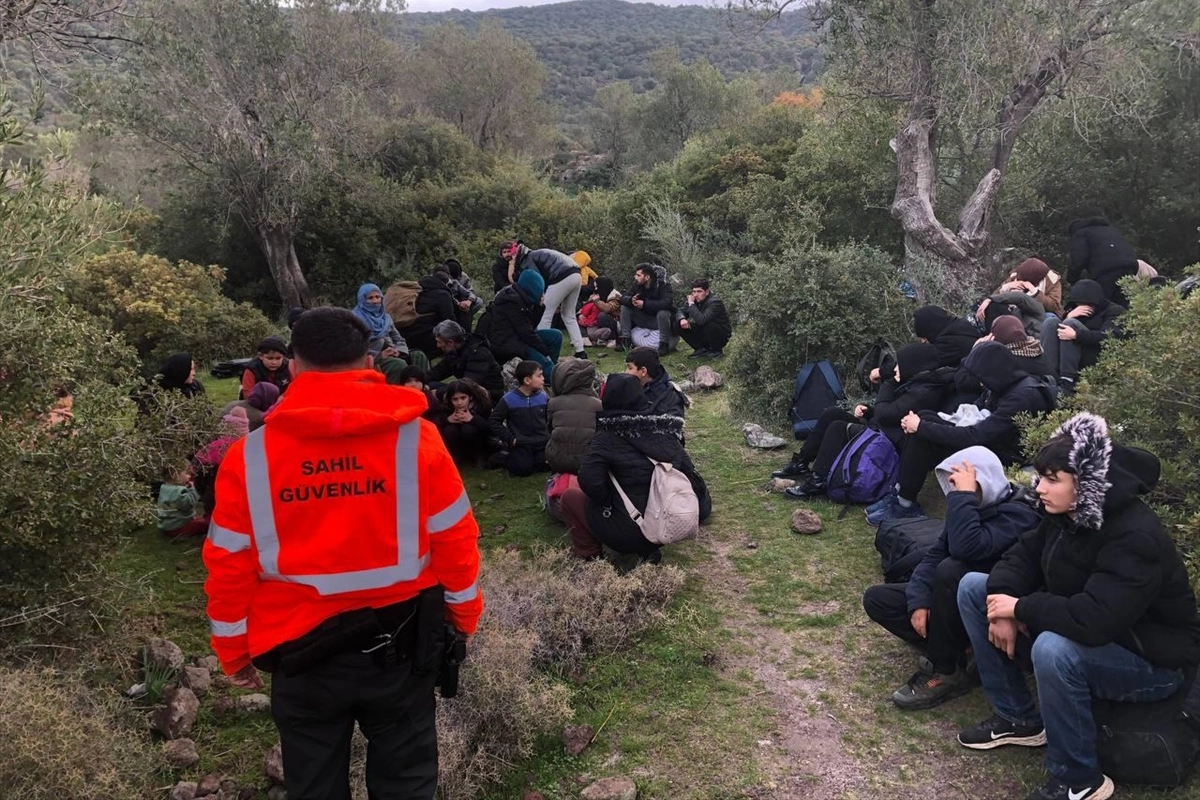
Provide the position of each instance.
(513, 295)
(433, 283)
(175, 371)
(917, 358)
(634, 426)
(1087, 293)
(994, 366)
(989, 472)
(929, 321)
(581, 258)
(1088, 222)
(604, 287)
(1107, 476)
(355, 403)
(1032, 270)
(573, 376)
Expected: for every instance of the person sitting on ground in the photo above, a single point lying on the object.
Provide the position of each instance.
(520, 422)
(1100, 590)
(235, 425)
(648, 305)
(269, 366)
(435, 303)
(460, 287)
(262, 398)
(917, 383)
(1034, 277)
(386, 341)
(628, 435)
(414, 378)
(1008, 331)
(704, 323)
(177, 506)
(953, 337)
(393, 367)
(1016, 303)
(572, 414)
(664, 396)
(1008, 391)
(463, 421)
(1099, 249)
(455, 268)
(1073, 344)
(465, 356)
(561, 276)
(607, 303)
(511, 331)
(178, 374)
(985, 514)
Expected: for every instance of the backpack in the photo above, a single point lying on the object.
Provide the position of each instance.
(864, 471)
(880, 352)
(400, 302)
(817, 388)
(903, 543)
(672, 508)
(1151, 744)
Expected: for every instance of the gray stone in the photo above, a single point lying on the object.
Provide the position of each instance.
(229, 790)
(277, 793)
(611, 789)
(254, 703)
(779, 484)
(198, 679)
(184, 790)
(576, 738)
(706, 377)
(162, 655)
(247, 793)
(805, 521)
(174, 719)
(181, 753)
(274, 764)
(686, 386)
(209, 784)
(210, 663)
(757, 437)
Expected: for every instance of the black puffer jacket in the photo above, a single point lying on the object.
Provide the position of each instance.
(554, 266)
(953, 337)
(511, 331)
(573, 411)
(1099, 249)
(922, 387)
(655, 296)
(1008, 391)
(471, 361)
(625, 441)
(1112, 574)
(434, 304)
(1100, 325)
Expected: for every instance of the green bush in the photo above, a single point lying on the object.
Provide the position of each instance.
(812, 304)
(161, 308)
(1147, 386)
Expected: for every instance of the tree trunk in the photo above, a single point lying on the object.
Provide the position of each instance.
(278, 245)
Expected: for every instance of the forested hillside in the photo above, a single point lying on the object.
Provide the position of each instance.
(588, 43)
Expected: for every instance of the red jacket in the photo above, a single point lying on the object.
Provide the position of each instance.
(344, 499)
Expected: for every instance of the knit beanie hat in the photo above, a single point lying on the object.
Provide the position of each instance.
(532, 284)
(1008, 329)
(1032, 270)
(273, 344)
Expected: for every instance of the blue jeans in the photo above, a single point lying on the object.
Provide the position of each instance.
(553, 340)
(1068, 675)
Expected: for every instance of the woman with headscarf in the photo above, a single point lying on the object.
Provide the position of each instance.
(628, 435)
(385, 339)
(178, 374)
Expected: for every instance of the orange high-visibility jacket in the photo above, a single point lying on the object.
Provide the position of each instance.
(345, 498)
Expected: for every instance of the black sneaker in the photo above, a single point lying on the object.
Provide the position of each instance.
(794, 469)
(699, 354)
(928, 688)
(716, 353)
(996, 732)
(582, 354)
(813, 487)
(1100, 789)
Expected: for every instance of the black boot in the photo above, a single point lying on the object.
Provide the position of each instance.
(795, 468)
(813, 487)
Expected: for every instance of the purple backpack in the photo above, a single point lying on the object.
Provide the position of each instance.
(865, 470)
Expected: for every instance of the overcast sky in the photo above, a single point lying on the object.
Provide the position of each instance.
(480, 5)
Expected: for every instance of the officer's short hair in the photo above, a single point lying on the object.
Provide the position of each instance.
(329, 337)
(526, 369)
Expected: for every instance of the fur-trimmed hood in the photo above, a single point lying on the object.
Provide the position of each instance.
(1108, 476)
(635, 426)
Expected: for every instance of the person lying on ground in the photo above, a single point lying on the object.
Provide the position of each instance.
(1099, 598)
(985, 513)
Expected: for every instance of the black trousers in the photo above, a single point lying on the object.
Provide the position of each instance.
(315, 712)
(703, 338)
(812, 443)
(947, 641)
(524, 460)
(917, 460)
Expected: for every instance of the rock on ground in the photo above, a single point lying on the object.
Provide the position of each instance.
(210, 663)
(576, 738)
(611, 789)
(276, 793)
(757, 437)
(706, 377)
(163, 655)
(184, 790)
(174, 719)
(198, 679)
(779, 484)
(209, 784)
(181, 753)
(805, 521)
(273, 765)
(254, 703)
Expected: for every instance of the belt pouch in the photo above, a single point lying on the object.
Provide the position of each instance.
(431, 630)
(345, 632)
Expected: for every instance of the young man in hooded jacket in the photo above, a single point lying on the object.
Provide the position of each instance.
(1100, 589)
(1073, 343)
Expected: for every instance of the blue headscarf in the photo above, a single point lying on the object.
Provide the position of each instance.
(378, 320)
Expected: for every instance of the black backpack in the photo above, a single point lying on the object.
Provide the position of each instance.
(903, 543)
(817, 388)
(1150, 744)
(879, 354)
